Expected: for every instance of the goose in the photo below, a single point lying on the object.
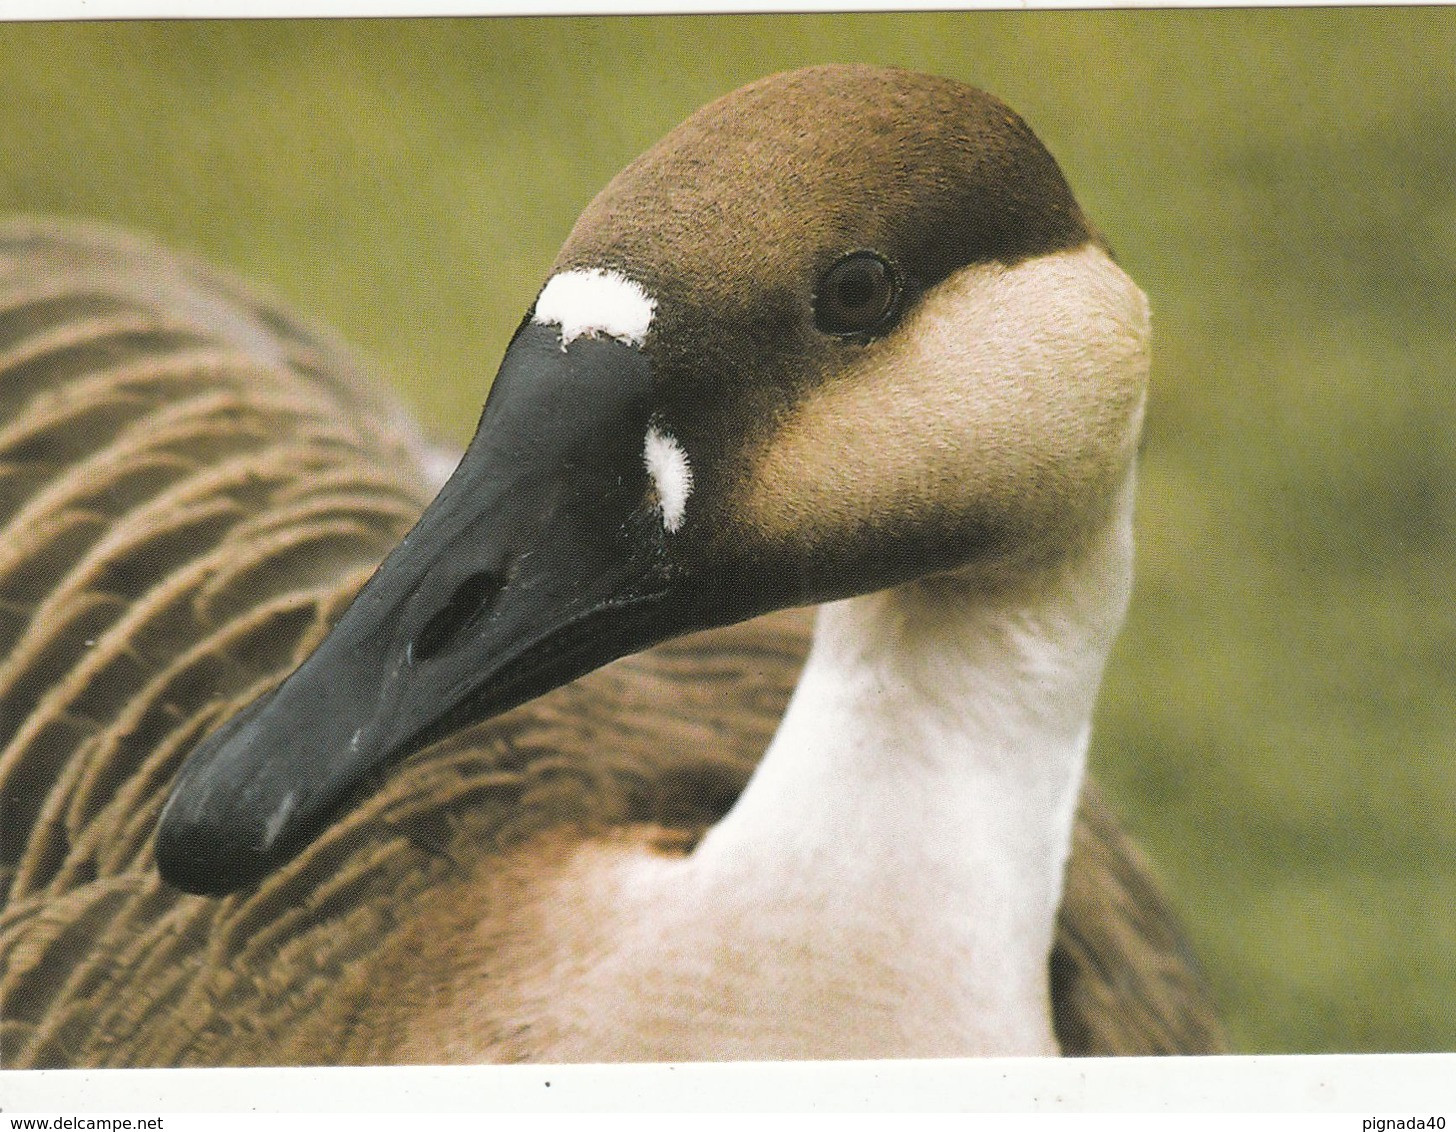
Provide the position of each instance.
(842, 339)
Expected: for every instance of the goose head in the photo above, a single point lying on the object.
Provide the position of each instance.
(844, 328)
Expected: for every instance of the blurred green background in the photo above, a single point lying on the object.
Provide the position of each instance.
(1279, 716)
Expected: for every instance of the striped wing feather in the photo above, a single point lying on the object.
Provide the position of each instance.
(192, 485)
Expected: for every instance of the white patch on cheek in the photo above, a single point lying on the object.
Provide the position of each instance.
(671, 474)
(595, 302)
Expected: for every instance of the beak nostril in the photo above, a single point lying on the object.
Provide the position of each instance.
(473, 599)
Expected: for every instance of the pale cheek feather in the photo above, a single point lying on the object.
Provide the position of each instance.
(1010, 383)
(671, 474)
(595, 302)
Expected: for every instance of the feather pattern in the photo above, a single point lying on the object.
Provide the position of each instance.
(192, 486)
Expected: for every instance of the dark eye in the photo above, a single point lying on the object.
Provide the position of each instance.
(858, 295)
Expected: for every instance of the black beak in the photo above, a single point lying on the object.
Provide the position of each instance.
(544, 557)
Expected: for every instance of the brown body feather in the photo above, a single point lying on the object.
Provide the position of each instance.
(192, 485)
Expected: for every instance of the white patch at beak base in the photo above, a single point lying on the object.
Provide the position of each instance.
(595, 302)
(671, 474)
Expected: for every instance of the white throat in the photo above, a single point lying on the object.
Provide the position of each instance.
(908, 829)
(887, 885)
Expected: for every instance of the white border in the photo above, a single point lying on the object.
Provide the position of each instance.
(1384, 1085)
(1375, 1085)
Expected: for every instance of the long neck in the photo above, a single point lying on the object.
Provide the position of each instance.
(922, 787)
